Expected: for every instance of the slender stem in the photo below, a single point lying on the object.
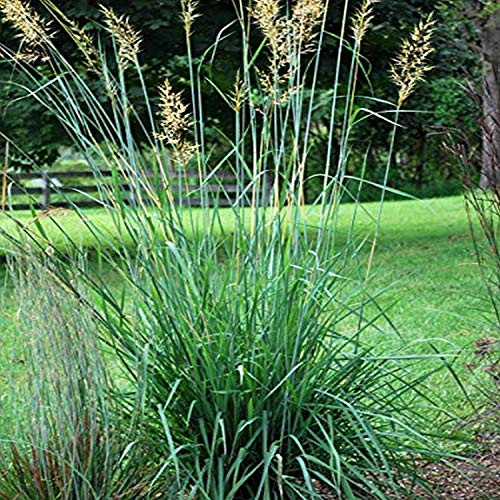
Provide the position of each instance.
(4, 175)
(333, 110)
(382, 196)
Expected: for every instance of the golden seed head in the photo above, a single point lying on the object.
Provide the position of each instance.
(306, 16)
(32, 28)
(239, 93)
(363, 19)
(174, 118)
(287, 36)
(273, 26)
(85, 43)
(174, 123)
(189, 14)
(184, 153)
(126, 37)
(411, 63)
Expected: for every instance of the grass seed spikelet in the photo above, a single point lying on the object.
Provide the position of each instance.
(32, 29)
(306, 17)
(85, 43)
(287, 38)
(175, 122)
(363, 19)
(189, 15)
(411, 64)
(127, 38)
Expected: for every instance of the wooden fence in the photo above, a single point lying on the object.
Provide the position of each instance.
(58, 189)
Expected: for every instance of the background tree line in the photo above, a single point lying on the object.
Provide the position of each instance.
(422, 166)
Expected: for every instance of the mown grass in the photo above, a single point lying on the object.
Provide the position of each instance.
(403, 222)
(424, 266)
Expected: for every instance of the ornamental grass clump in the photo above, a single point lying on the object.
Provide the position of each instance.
(70, 439)
(241, 329)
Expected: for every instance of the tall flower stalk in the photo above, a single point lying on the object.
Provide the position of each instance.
(408, 69)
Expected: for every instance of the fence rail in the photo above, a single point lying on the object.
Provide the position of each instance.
(222, 187)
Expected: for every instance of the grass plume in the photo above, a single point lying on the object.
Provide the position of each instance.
(175, 122)
(32, 29)
(305, 19)
(363, 18)
(127, 38)
(411, 64)
(189, 15)
(85, 42)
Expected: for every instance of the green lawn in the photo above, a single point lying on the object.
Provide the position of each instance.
(403, 222)
(424, 259)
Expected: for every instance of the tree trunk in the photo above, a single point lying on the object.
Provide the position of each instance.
(490, 41)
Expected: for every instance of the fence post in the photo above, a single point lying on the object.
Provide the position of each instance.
(45, 190)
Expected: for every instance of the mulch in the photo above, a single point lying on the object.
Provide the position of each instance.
(477, 478)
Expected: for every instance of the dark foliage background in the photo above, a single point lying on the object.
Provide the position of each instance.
(422, 167)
